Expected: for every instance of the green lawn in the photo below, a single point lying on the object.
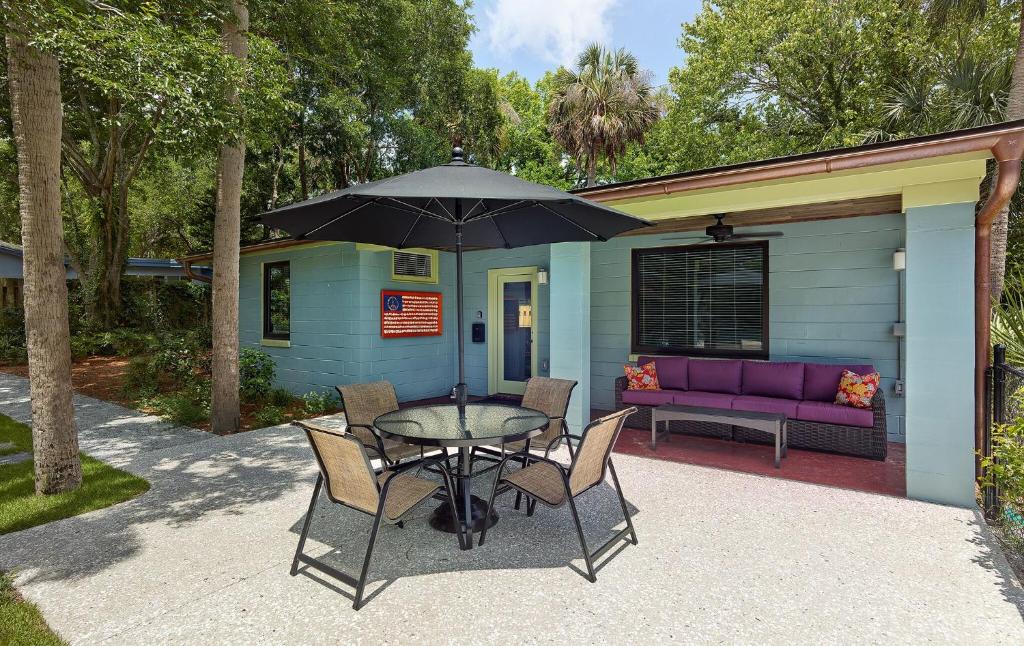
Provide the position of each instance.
(102, 486)
(20, 621)
(20, 508)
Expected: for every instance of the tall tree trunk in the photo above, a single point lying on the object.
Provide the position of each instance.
(1000, 226)
(591, 168)
(303, 178)
(224, 412)
(36, 111)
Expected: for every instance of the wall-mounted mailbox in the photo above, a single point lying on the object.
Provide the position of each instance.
(478, 333)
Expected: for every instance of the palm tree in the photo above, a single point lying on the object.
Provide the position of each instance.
(941, 13)
(601, 106)
(34, 79)
(224, 412)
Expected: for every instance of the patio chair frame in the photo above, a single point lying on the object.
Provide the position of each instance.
(323, 478)
(378, 448)
(565, 471)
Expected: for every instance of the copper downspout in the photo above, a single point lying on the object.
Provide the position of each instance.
(186, 265)
(1008, 153)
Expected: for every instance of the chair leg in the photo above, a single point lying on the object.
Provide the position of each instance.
(531, 505)
(622, 501)
(490, 502)
(583, 541)
(305, 525)
(568, 442)
(369, 552)
(519, 494)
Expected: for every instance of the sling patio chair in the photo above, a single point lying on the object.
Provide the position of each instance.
(551, 397)
(363, 403)
(350, 481)
(555, 484)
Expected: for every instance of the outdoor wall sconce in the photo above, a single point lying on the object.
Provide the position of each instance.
(542, 276)
(899, 259)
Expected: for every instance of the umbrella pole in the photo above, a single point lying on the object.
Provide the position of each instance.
(461, 390)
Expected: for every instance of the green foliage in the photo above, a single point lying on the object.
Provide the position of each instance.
(141, 378)
(317, 402)
(179, 359)
(21, 623)
(1008, 317)
(268, 416)
(12, 336)
(1005, 470)
(20, 508)
(188, 405)
(280, 397)
(255, 374)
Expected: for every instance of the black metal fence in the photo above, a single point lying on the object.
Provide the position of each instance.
(1003, 384)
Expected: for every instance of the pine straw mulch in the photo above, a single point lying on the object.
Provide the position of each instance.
(102, 378)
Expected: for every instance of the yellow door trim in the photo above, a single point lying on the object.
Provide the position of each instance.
(494, 315)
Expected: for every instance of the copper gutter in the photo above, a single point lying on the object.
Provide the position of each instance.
(1008, 152)
(186, 265)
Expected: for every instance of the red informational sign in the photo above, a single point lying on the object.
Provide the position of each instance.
(409, 314)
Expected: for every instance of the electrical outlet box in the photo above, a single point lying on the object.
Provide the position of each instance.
(899, 328)
(898, 388)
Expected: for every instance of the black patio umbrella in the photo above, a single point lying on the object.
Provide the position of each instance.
(451, 207)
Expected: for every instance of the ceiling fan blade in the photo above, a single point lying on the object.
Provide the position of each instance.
(763, 234)
(698, 238)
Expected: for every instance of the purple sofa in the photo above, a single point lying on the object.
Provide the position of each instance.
(803, 391)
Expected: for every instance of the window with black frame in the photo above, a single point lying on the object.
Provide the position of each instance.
(277, 300)
(709, 300)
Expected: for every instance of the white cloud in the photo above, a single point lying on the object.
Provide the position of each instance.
(554, 30)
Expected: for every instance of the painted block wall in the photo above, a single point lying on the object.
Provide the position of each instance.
(335, 319)
(335, 322)
(832, 298)
(570, 356)
(940, 353)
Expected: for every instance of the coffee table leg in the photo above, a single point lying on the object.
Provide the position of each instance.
(785, 439)
(654, 431)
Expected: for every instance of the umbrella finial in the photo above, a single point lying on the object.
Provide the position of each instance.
(457, 154)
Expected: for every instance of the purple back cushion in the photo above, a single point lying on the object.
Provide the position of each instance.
(821, 380)
(671, 371)
(716, 376)
(783, 379)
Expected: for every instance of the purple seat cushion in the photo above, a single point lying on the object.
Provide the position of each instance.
(765, 404)
(716, 376)
(671, 371)
(647, 397)
(708, 400)
(783, 379)
(810, 411)
(821, 380)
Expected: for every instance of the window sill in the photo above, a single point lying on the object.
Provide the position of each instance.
(276, 343)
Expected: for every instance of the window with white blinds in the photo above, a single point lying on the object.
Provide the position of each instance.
(701, 300)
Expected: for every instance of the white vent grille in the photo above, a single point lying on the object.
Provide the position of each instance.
(407, 264)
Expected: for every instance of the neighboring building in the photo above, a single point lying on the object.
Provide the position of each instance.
(11, 276)
(876, 266)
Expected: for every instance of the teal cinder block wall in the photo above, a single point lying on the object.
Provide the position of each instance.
(335, 319)
(833, 297)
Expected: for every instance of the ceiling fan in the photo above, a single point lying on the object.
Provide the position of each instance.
(721, 232)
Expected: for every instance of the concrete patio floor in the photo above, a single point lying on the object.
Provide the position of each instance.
(203, 557)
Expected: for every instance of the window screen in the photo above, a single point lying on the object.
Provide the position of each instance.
(702, 300)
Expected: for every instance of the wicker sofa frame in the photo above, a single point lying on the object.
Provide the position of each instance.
(815, 436)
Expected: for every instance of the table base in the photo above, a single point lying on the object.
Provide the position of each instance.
(441, 519)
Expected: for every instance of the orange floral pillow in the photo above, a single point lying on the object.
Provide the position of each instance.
(643, 377)
(857, 390)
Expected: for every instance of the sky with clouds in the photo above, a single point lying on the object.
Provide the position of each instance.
(532, 36)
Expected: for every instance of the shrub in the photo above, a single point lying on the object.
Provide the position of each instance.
(178, 358)
(84, 345)
(280, 397)
(319, 403)
(187, 406)
(255, 374)
(141, 378)
(1005, 470)
(268, 416)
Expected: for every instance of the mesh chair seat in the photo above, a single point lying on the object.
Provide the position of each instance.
(406, 492)
(540, 480)
(543, 442)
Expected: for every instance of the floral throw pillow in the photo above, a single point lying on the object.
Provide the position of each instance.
(643, 377)
(857, 390)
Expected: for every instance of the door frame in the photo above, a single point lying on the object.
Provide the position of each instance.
(495, 311)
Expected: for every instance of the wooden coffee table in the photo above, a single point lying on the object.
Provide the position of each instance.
(774, 423)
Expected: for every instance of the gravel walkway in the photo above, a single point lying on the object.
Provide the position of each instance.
(723, 557)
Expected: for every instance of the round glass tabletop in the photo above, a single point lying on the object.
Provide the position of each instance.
(441, 424)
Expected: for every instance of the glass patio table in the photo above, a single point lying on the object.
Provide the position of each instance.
(474, 425)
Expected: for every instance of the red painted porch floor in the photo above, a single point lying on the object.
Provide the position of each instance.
(805, 466)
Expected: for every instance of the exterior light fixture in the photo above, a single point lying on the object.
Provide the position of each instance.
(542, 276)
(899, 259)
